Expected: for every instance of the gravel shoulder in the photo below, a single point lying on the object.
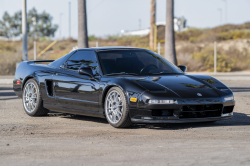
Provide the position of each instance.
(60, 139)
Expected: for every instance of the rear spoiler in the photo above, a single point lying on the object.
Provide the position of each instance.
(40, 61)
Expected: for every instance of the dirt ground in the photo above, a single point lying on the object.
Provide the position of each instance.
(59, 139)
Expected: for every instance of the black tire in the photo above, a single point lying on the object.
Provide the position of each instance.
(125, 120)
(39, 110)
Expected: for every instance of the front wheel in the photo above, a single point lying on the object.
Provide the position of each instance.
(32, 101)
(116, 108)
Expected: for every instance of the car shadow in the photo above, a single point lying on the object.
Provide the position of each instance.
(10, 98)
(7, 94)
(238, 119)
(78, 117)
(240, 89)
(6, 88)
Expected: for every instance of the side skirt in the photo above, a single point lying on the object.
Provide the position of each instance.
(52, 106)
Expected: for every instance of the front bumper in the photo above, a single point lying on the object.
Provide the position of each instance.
(177, 120)
(204, 111)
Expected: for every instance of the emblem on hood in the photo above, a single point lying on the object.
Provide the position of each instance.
(199, 94)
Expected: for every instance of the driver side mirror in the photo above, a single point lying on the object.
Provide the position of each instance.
(86, 71)
(183, 68)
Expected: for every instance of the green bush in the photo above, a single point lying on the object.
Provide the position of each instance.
(92, 38)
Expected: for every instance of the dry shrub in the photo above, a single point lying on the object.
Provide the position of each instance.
(184, 57)
(206, 56)
(221, 33)
(188, 35)
(239, 59)
(191, 63)
(233, 35)
(10, 53)
(200, 56)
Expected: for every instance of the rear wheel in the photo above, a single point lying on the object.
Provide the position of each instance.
(116, 108)
(32, 101)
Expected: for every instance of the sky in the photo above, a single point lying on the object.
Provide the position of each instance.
(109, 17)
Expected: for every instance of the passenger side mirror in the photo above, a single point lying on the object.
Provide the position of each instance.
(86, 71)
(183, 68)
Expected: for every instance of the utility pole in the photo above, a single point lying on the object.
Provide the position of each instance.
(69, 19)
(170, 53)
(152, 24)
(60, 22)
(139, 24)
(220, 10)
(24, 32)
(215, 58)
(34, 50)
(34, 22)
(225, 11)
(82, 25)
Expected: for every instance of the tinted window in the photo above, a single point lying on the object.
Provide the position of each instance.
(135, 61)
(80, 58)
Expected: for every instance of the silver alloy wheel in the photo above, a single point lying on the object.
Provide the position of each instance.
(30, 97)
(114, 106)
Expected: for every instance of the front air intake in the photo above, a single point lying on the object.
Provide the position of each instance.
(228, 109)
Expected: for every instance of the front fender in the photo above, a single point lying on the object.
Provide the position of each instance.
(130, 88)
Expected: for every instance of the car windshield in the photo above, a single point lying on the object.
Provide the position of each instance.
(135, 62)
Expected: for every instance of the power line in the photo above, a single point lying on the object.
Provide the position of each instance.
(96, 6)
(220, 10)
(69, 19)
(87, 14)
(60, 24)
(225, 11)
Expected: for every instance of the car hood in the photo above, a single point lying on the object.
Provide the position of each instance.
(184, 86)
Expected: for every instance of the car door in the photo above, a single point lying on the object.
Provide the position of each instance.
(74, 91)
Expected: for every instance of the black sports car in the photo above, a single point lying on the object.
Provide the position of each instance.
(123, 85)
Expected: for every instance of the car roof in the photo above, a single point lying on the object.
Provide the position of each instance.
(109, 48)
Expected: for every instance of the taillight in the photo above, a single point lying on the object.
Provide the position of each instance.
(18, 82)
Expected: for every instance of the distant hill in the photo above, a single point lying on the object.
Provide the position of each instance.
(220, 33)
(194, 48)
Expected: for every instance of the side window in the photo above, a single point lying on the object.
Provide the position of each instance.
(87, 58)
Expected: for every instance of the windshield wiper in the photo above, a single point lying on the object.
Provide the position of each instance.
(122, 73)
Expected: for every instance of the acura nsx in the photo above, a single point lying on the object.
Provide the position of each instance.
(124, 85)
